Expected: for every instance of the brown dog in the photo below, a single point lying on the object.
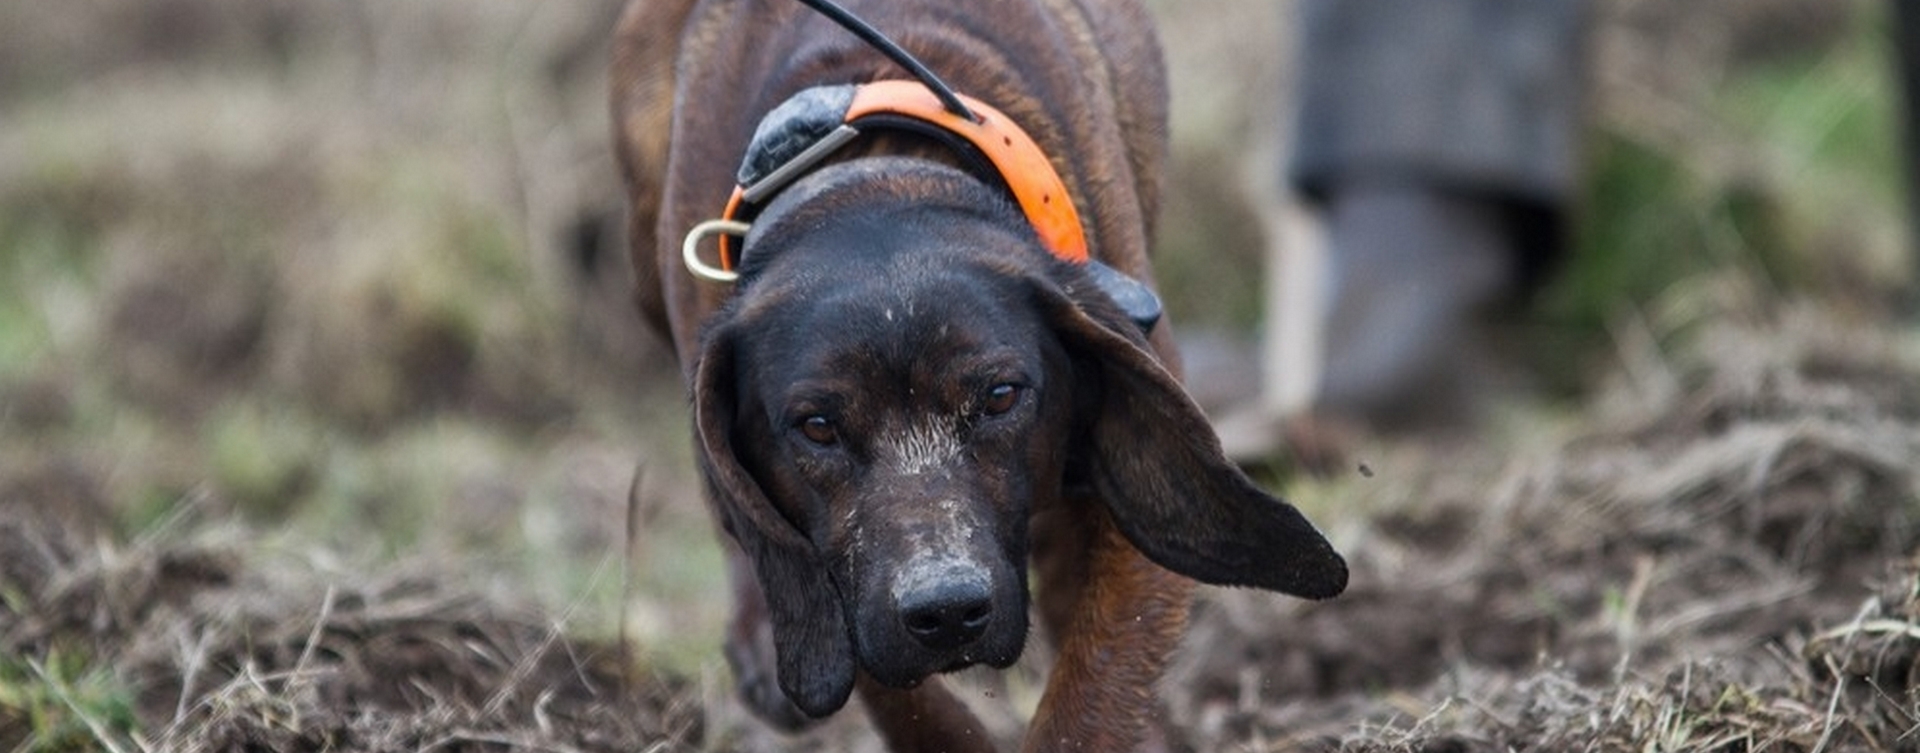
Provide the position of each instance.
(915, 389)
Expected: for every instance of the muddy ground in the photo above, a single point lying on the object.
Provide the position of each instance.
(1728, 565)
(321, 409)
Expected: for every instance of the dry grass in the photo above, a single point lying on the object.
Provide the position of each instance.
(1687, 575)
(219, 644)
(1730, 567)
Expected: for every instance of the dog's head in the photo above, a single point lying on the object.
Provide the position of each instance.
(902, 376)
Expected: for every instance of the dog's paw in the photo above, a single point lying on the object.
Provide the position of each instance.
(750, 653)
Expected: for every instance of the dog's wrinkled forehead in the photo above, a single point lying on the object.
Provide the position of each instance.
(903, 322)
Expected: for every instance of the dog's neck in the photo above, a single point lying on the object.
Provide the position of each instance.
(864, 204)
(817, 126)
(816, 123)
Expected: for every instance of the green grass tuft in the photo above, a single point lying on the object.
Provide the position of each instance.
(61, 703)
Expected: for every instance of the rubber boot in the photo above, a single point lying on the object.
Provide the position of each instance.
(1412, 272)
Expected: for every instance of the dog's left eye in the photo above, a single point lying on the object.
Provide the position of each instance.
(819, 430)
(1000, 398)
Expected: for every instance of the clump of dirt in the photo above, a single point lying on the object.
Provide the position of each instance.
(227, 648)
(1651, 577)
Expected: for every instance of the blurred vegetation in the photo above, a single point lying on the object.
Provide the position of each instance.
(1784, 174)
(62, 703)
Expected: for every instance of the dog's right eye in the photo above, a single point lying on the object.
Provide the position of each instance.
(1000, 399)
(819, 430)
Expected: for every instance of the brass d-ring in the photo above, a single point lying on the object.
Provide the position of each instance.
(690, 248)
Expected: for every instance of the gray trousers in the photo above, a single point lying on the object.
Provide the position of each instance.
(1468, 97)
(1439, 139)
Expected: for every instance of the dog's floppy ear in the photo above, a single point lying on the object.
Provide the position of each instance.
(1158, 465)
(814, 650)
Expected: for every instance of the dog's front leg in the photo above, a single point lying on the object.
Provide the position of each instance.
(1127, 619)
(926, 719)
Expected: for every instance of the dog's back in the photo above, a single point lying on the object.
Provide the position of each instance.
(692, 78)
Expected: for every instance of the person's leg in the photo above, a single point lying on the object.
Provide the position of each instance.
(1412, 271)
(1437, 139)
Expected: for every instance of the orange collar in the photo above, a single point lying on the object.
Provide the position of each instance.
(1021, 164)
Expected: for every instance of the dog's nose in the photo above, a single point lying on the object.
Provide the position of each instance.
(948, 615)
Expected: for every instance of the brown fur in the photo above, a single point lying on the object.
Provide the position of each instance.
(1103, 472)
